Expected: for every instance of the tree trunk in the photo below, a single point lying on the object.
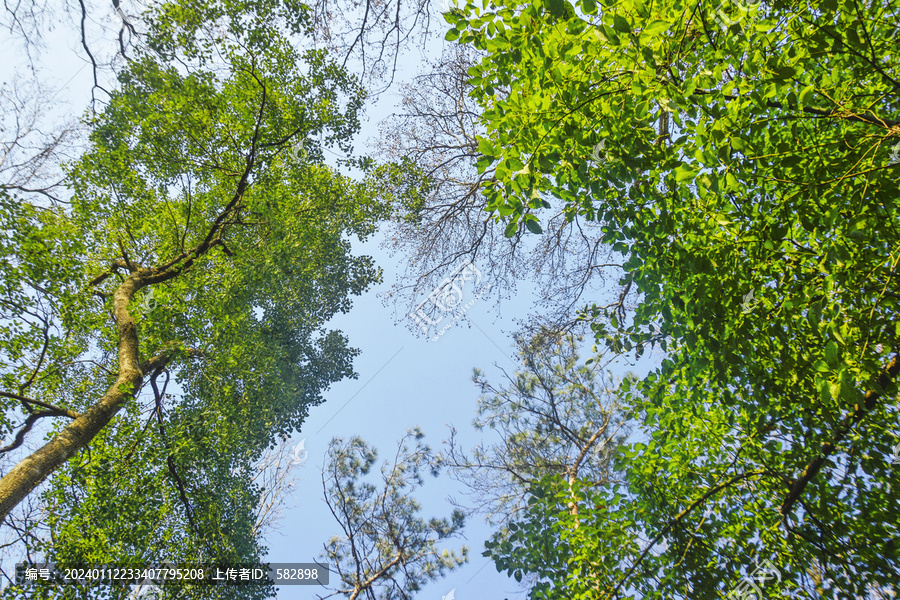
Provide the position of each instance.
(34, 469)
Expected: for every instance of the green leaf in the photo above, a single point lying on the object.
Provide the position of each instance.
(557, 8)
(610, 34)
(835, 389)
(784, 72)
(832, 355)
(731, 182)
(684, 173)
(739, 197)
(154, 177)
(655, 28)
(533, 226)
(803, 98)
(483, 163)
(485, 147)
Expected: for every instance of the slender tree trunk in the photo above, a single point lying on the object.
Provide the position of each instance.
(31, 471)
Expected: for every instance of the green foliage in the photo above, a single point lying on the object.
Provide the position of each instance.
(386, 550)
(39, 249)
(192, 187)
(406, 181)
(773, 176)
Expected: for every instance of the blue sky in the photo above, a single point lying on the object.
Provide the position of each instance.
(404, 381)
(407, 380)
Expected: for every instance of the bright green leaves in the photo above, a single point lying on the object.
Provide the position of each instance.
(757, 230)
(684, 173)
(621, 24)
(43, 272)
(193, 188)
(256, 26)
(832, 354)
(653, 29)
(806, 95)
(608, 35)
(485, 147)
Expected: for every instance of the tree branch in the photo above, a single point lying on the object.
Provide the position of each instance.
(819, 112)
(29, 423)
(62, 412)
(114, 267)
(170, 460)
(870, 401)
(678, 518)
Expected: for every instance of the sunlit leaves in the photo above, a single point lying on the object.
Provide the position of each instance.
(192, 172)
(759, 229)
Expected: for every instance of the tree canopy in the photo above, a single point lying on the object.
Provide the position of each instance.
(385, 550)
(203, 244)
(739, 159)
(737, 165)
(558, 415)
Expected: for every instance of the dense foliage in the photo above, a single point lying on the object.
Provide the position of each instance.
(740, 159)
(169, 317)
